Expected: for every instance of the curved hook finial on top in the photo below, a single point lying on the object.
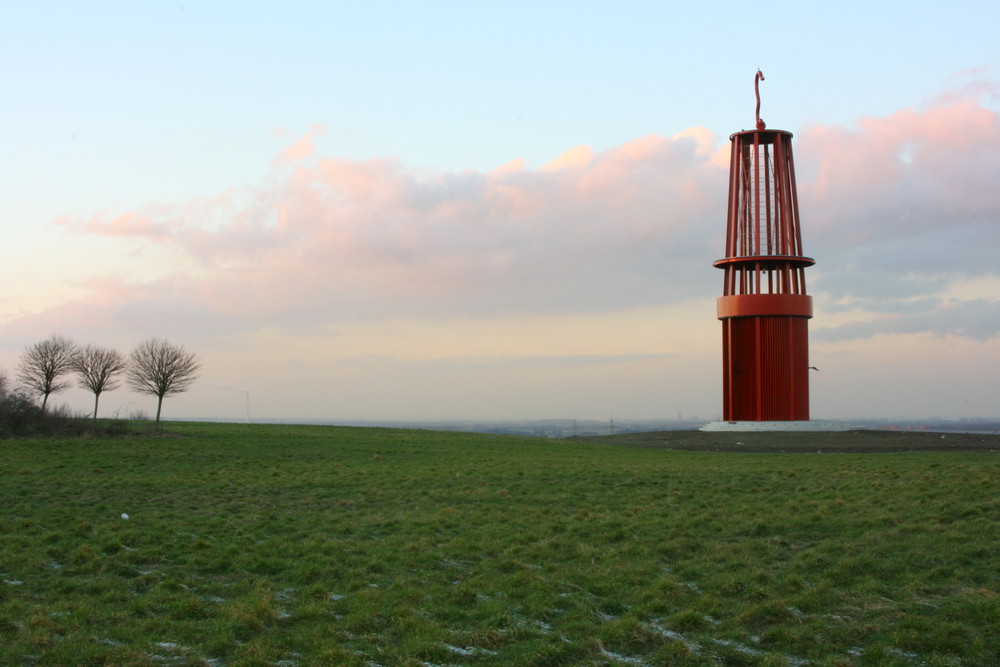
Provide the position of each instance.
(758, 77)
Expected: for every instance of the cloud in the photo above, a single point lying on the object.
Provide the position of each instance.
(895, 208)
(301, 149)
(978, 319)
(331, 238)
(892, 207)
(578, 157)
(972, 83)
(549, 360)
(908, 174)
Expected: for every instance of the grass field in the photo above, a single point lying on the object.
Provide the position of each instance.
(301, 545)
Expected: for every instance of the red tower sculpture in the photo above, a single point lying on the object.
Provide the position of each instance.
(764, 308)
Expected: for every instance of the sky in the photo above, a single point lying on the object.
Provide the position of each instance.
(453, 210)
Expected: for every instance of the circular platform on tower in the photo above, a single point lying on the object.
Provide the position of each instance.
(778, 426)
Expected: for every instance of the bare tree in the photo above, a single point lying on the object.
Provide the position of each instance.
(43, 364)
(99, 369)
(160, 368)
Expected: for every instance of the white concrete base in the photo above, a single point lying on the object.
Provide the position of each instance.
(777, 426)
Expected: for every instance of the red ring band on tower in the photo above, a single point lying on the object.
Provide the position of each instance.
(748, 305)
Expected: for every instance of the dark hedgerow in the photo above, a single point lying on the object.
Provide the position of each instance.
(21, 417)
(18, 414)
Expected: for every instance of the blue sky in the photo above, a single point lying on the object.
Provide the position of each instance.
(208, 122)
(447, 85)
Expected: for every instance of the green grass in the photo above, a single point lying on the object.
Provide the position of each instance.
(300, 545)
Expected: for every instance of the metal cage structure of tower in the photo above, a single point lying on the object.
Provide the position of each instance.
(764, 308)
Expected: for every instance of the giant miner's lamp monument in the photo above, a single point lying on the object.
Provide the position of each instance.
(764, 307)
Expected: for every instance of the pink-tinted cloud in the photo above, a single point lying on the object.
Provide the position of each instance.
(351, 236)
(302, 148)
(895, 207)
(905, 174)
(327, 238)
(971, 83)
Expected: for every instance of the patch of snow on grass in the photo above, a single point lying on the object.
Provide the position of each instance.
(183, 658)
(457, 564)
(674, 636)
(469, 651)
(743, 649)
(738, 647)
(617, 657)
(905, 655)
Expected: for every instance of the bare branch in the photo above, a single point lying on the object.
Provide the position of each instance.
(99, 370)
(42, 364)
(160, 368)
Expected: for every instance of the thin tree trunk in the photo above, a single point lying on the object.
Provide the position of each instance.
(159, 406)
(96, 398)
